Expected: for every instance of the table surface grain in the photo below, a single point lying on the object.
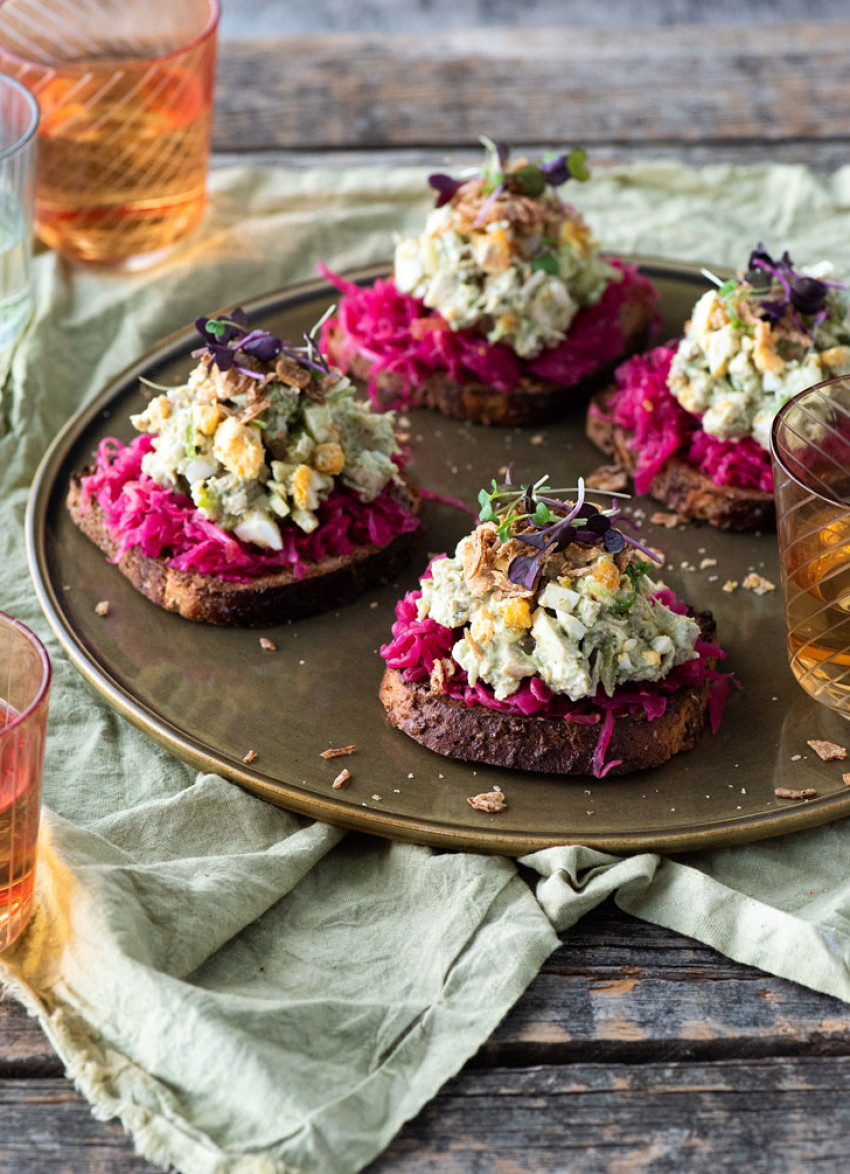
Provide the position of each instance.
(634, 1048)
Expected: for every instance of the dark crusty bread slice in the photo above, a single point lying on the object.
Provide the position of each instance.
(548, 744)
(532, 401)
(682, 487)
(271, 598)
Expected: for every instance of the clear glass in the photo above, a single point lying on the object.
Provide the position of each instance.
(18, 125)
(125, 89)
(810, 446)
(24, 689)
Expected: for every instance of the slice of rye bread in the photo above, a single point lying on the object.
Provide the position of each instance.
(551, 745)
(682, 487)
(532, 401)
(269, 599)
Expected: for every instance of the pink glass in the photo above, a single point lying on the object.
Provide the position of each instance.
(24, 689)
(125, 89)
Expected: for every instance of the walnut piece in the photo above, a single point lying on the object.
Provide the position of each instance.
(491, 801)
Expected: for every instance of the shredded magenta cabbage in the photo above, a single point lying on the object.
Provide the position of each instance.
(164, 523)
(399, 334)
(660, 427)
(417, 644)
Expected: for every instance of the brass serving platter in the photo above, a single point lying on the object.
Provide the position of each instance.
(210, 695)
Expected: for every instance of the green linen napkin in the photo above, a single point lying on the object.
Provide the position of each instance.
(250, 992)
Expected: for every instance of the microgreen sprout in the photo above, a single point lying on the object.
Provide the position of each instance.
(227, 336)
(784, 291)
(531, 179)
(552, 522)
(153, 384)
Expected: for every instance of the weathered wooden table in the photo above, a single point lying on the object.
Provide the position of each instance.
(634, 1048)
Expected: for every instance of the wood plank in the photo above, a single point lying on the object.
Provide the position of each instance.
(777, 1115)
(821, 155)
(246, 18)
(48, 1129)
(676, 83)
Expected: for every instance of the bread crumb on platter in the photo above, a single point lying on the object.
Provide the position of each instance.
(337, 752)
(793, 793)
(267, 645)
(250, 757)
(671, 521)
(492, 801)
(827, 751)
(102, 608)
(609, 478)
(341, 780)
(758, 584)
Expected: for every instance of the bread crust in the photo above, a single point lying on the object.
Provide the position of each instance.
(682, 487)
(550, 745)
(269, 599)
(532, 401)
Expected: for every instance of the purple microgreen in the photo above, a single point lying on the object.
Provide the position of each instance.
(643, 549)
(488, 204)
(265, 347)
(556, 171)
(531, 179)
(524, 570)
(224, 336)
(614, 541)
(445, 186)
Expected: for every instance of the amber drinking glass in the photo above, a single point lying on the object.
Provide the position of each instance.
(24, 688)
(811, 469)
(125, 89)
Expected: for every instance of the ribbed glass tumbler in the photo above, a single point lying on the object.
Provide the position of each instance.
(24, 689)
(125, 91)
(811, 468)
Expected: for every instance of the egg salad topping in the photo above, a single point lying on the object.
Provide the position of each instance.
(754, 342)
(579, 615)
(261, 436)
(502, 254)
(590, 620)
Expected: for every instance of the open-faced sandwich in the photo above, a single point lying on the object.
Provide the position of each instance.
(691, 422)
(502, 310)
(544, 643)
(257, 492)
